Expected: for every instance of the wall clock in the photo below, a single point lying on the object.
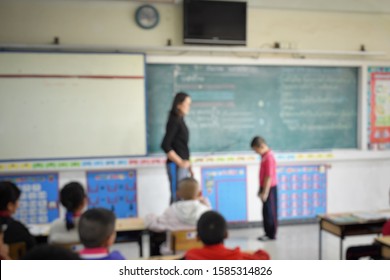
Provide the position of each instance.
(147, 16)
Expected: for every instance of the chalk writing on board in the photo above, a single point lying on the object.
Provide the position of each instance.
(294, 108)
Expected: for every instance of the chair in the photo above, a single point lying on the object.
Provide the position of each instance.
(183, 240)
(17, 250)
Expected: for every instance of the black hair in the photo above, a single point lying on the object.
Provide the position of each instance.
(258, 141)
(179, 98)
(96, 226)
(9, 192)
(50, 252)
(212, 228)
(72, 197)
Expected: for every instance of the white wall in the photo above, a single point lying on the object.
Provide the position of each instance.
(352, 184)
(111, 23)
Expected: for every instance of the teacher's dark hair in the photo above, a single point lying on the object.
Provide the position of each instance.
(179, 98)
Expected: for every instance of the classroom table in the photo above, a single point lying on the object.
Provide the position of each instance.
(384, 241)
(346, 224)
(128, 230)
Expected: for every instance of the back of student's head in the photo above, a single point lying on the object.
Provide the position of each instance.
(72, 196)
(9, 193)
(96, 226)
(50, 252)
(258, 141)
(212, 228)
(188, 189)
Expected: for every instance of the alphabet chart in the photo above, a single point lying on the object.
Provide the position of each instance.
(114, 190)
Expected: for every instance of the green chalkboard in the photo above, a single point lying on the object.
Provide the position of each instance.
(295, 108)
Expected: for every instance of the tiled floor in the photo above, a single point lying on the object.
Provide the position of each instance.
(294, 242)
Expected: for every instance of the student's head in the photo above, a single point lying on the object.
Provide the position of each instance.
(73, 198)
(9, 196)
(181, 104)
(259, 145)
(188, 189)
(50, 252)
(97, 228)
(211, 228)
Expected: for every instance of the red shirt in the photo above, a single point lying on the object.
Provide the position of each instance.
(386, 228)
(220, 252)
(268, 168)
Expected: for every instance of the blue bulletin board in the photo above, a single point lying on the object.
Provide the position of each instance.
(38, 203)
(114, 190)
(225, 187)
(301, 191)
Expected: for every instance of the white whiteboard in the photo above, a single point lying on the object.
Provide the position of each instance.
(62, 105)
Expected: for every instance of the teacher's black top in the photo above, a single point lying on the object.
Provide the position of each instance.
(176, 137)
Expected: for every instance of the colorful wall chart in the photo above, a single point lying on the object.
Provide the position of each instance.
(301, 191)
(115, 190)
(225, 187)
(38, 202)
(379, 100)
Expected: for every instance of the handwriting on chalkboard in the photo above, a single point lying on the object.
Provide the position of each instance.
(294, 108)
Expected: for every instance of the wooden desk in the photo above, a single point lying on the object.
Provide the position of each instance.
(128, 230)
(345, 224)
(131, 230)
(384, 241)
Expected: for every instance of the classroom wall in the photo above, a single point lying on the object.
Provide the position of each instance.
(111, 23)
(352, 184)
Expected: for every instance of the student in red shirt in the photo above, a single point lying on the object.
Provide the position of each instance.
(212, 230)
(267, 191)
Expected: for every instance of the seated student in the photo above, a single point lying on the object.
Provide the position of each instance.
(50, 252)
(9, 203)
(372, 251)
(180, 215)
(97, 234)
(4, 250)
(212, 230)
(64, 230)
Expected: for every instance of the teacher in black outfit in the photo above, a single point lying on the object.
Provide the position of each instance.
(175, 142)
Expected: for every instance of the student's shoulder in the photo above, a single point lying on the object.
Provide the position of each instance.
(57, 222)
(13, 224)
(194, 254)
(258, 255)
(116, 255)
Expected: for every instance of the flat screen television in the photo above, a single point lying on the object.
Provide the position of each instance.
(214, 22)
